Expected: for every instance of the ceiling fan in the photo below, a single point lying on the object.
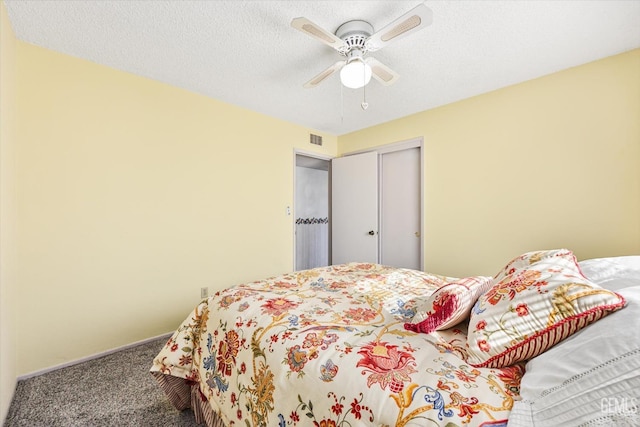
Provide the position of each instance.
(354, 39)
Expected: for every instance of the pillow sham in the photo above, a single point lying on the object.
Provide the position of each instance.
(539, 299)
(448, 305)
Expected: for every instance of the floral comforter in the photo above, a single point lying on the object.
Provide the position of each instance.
(327, 347)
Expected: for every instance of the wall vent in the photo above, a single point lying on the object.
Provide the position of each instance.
(315, 139)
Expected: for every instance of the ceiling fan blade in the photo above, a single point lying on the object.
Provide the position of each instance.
(324, 74)
(318, 33)
(416, 19)
(381, 72)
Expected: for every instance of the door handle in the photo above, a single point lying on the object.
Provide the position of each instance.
(372, 233)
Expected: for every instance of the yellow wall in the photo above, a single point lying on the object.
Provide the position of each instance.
(552, 162)
(7, 214)
(132, 196)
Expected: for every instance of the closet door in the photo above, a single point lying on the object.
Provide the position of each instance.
(400, 208)
(354, 208)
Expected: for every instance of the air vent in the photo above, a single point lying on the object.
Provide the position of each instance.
(315, 139)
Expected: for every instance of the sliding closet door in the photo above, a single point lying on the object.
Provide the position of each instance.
(354, 218)
(400, 208)
(377, 206)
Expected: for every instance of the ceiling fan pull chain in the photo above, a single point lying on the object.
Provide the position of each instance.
(364, 103)
(341, 105)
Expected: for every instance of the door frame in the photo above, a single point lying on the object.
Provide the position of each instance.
(292, 209)
(417, 142)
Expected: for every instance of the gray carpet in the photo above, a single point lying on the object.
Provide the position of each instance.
(114, 390)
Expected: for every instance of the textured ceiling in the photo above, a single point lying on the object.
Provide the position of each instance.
(247, 54)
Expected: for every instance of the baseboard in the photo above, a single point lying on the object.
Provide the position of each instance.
(91, 357)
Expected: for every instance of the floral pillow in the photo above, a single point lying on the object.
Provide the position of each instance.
(536, 301)
(449, 305)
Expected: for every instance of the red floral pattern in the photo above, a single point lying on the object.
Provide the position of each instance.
(522, 309)
(510, 286)
(278, 306)
(388, 365)
(227, 352)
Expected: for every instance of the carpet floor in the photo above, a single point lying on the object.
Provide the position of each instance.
(114, 390)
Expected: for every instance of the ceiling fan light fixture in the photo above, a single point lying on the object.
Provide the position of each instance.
(355, 74)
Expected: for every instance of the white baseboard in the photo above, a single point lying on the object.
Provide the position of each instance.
(91, 357)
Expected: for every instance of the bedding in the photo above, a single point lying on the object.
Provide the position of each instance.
(593, 377)
(328, 347)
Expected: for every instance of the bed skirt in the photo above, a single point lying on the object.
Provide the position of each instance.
(184, 394)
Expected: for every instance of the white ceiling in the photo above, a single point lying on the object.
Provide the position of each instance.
(247, 54)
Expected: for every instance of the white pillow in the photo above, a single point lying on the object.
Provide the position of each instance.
(613, 273)
(591, 378)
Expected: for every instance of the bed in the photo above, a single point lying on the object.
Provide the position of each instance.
(365, 344)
